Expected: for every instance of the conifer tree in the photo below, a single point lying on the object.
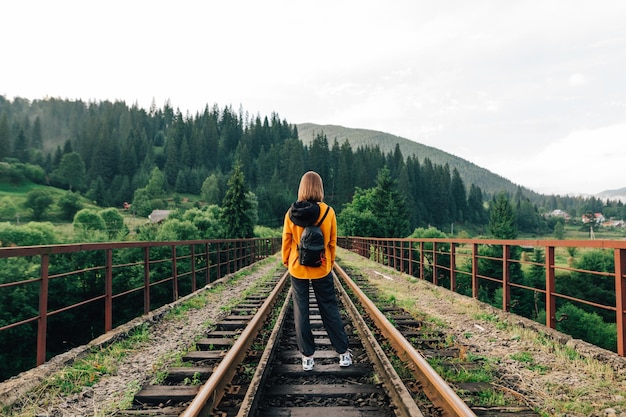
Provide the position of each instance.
(457, 189)
(319, 156)
(389, 206)
(475, 208)
(237, 207)
(20, 147)
(156, 185)
(5, 137)
(36, 138)
(502, 219)
(344, 178)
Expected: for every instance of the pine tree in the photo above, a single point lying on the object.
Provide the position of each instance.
(156, 187)
(475, 208)
(319, 156)
(389, 206)
(237, 207)
(502, 218)
(36, 138)
(457, 189)
(5, 137)
(20, 147)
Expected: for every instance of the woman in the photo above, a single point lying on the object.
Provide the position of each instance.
(307, 210)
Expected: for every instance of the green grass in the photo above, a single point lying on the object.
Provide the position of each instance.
(19, 190)
(529, 361)
(97, 364)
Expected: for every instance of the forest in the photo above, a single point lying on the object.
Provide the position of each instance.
(108, 152)
(225, 173)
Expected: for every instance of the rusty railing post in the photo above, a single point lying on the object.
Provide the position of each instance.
(207, 261)
(620, 299)
(475, 270)
(452, 267)
(411, 258)
(435, 268)
(174, 275)
(506, 276)
(193, 268)
(550, 289)
(42, 324)
(146, 279)
(108, 290)
(422, 257)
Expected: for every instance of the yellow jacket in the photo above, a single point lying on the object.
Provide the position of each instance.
(291, 238)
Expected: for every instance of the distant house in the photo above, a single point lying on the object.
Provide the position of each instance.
(613, 223)
(559, 213)
(157, 216)
(597, 218)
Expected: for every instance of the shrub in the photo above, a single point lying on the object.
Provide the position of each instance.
(31, 234)
(88, 219)
(114, 221)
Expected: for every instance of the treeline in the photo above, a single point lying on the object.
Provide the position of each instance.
(108, 151)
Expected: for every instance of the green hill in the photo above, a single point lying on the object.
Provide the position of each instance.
(471, 173)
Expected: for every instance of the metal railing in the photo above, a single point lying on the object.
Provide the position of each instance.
(117, 281)
(483, 265)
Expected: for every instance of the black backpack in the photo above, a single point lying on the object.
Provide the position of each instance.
(311, 246)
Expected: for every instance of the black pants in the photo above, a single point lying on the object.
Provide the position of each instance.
(324, 290)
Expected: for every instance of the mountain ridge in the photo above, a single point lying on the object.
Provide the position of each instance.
(488, 181)
(616, 194)
(471, 173)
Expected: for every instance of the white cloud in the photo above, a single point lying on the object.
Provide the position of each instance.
(584, 162)
(577, 79)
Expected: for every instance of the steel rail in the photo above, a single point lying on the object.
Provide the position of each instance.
(250, 400)
(213, 389)
(436, 389)
(398, 392)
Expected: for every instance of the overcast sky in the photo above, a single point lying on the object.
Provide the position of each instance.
(533, 90)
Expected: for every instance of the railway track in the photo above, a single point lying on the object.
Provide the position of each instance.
(247, 364)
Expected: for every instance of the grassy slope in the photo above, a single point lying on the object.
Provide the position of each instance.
(18, 194)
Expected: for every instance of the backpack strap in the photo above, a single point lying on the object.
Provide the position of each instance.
(323, 217)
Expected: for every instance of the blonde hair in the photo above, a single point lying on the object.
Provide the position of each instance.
(311, 187)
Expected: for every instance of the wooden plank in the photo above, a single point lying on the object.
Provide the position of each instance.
(215, 341)
(473, 387)
(231, 325)
(161, 393)
(180, 373)
(238, 317)
(327, 390)
(223, 333)
(334, 369)
(201, 355)
(160, 412)
(321, 412)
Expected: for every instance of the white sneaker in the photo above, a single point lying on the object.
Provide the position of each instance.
(345, 359)
(307, 363)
